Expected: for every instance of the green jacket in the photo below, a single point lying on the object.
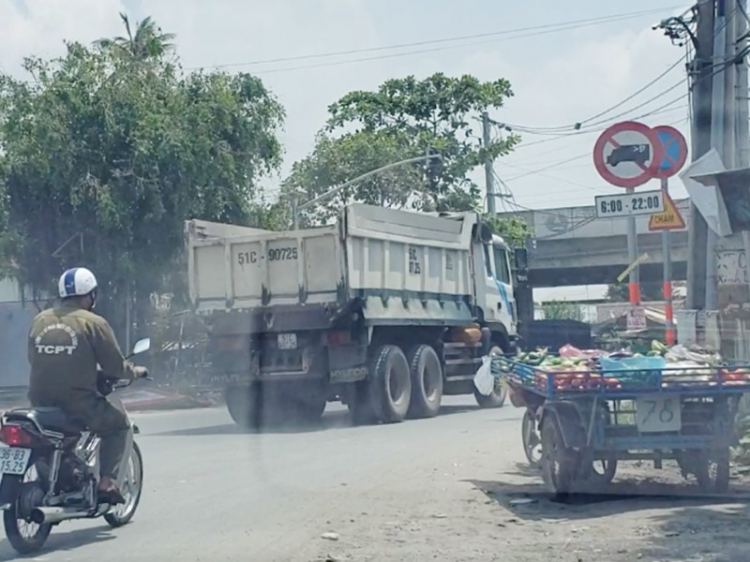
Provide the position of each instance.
(65, 345)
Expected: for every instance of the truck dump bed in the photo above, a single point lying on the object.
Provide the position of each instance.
(402, 266)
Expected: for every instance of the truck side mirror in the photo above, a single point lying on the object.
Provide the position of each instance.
(482, 233)
(521, 258)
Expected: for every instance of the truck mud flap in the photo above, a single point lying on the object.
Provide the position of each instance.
(569, 423)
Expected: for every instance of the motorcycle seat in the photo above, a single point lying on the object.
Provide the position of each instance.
(52, 419)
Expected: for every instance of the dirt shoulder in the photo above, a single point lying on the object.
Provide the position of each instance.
(476, 500)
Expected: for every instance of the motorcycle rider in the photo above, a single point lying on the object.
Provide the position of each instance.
(66, 345)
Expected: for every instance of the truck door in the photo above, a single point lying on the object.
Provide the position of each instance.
(505, 286)
(493, 302)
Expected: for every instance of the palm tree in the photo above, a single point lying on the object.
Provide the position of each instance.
(148, 42)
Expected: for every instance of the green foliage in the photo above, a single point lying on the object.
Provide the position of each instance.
(514, 230)
(147, 43)
(562, 310)
(113, 153)
(337, 160)
(403, 119)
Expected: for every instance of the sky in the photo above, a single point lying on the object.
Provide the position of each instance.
(567, 72)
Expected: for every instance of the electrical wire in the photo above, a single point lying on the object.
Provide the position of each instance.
(577, 125)
(543, 29)
(720, 67)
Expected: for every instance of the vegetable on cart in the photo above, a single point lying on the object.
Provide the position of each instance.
(590, 409)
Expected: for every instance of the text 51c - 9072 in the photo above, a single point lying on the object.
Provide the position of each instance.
(274, 254)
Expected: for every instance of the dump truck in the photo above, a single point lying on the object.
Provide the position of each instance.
(386, 311)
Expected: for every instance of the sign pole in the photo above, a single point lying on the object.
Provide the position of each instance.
(634, 289)
(628, 155)
(666, 251)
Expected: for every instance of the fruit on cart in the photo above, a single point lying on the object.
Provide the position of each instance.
(658, 349)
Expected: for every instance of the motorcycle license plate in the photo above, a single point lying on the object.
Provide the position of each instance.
(14, 460)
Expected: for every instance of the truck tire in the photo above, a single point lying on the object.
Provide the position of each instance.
(497, 398)
(426, 381)
(390, 384)
(243, 406)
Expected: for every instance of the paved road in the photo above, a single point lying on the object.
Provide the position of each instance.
(450, 489)
(213, 493)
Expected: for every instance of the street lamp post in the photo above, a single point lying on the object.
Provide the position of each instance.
(296, 208)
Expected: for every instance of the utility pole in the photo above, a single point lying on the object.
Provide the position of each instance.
(721, 109)
(489, 177)
(742, 125)
(701, 85)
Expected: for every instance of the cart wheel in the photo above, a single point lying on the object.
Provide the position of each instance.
(712, 470)
(559, 464)
(532, 441)
(603, 470)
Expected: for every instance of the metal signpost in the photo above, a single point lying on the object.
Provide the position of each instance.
(674, 156)
(628, 155)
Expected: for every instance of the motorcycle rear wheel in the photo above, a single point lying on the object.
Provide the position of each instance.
(31, 495)
(120, 515)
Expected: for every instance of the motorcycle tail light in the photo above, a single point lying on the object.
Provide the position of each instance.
(16, 436)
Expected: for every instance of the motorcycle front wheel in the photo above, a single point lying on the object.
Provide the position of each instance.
(24, 535)
(131, 490)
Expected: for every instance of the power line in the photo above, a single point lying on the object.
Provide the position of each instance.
(577, 126)
(660, 110)
(598, 124)
(517, 33)
(556, 136)
(566, 135)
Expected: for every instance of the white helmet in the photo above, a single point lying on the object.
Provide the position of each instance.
(76, 282)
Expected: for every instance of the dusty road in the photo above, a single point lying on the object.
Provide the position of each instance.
(450, 489)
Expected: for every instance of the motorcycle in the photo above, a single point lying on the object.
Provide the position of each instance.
(49, 471)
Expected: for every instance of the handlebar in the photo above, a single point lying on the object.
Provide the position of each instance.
(107, 385)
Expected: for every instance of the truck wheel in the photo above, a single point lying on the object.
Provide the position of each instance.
(426, 382)
(390, 384)
(243, 405)
(497, 398)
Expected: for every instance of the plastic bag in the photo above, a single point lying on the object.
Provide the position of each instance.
(484, 380)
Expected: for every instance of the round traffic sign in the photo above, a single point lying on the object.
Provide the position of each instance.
(674, 151)
(627, 154)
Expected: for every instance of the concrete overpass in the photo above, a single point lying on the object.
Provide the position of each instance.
(573, 247)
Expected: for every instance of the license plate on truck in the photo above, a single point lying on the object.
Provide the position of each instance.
(657, 413)
(287, 341)
(14, 460)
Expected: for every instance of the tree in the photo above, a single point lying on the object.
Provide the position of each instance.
(562, 310)
(405, 118)
(335, 161)
(5, 235)
(147, 43)
(514, 230)
(104, 159)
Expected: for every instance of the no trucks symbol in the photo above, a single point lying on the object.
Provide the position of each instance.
(628, 154)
